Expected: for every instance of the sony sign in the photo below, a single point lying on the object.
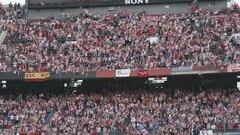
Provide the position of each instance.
(127, 2)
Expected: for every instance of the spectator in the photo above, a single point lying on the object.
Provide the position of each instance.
(121, 112)
(91, 42)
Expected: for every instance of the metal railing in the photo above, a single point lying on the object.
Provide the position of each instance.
(226, 132)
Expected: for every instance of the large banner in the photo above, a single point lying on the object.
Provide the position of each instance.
(233, 68)
(37, 76)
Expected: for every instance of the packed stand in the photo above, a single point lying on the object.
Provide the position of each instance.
(126, 40)
(12, 12)
(131, 113)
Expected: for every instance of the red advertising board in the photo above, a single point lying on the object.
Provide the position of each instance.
(233, 68)
(150, 72)
(105, 74)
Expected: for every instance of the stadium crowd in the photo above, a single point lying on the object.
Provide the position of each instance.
(131, 113)
(125, 40)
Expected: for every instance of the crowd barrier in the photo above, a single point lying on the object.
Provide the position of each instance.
(120, 73)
